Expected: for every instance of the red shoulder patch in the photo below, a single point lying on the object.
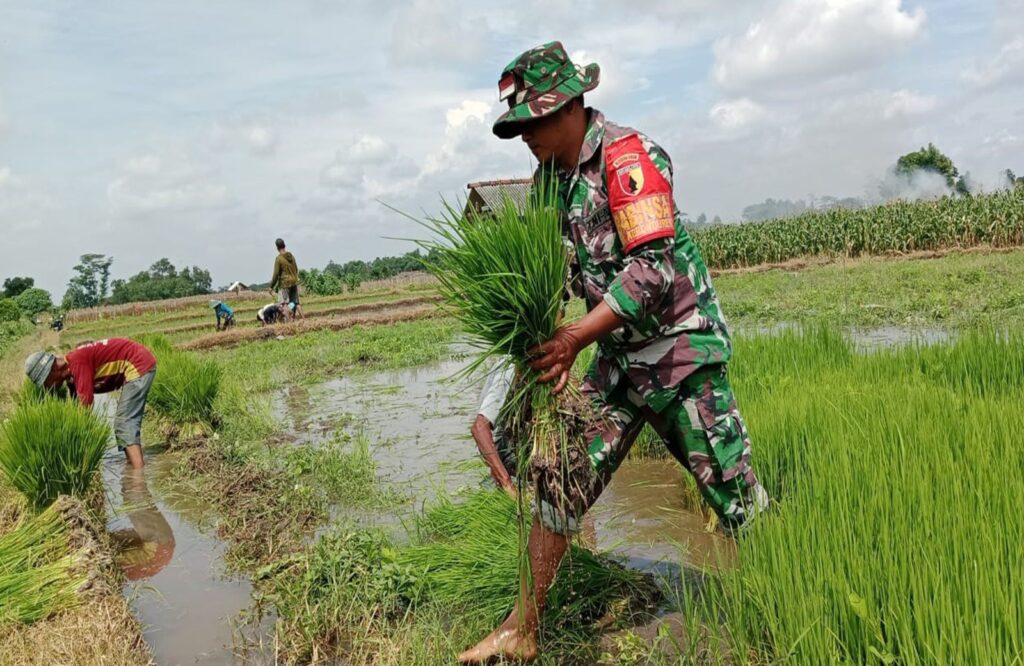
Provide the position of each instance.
(639, 196)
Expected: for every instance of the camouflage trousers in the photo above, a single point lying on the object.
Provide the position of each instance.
(702, 428)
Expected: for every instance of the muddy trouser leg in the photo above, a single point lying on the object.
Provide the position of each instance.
(610, 439)
(704, 430)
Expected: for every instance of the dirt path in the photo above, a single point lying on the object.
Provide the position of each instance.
(391, 315)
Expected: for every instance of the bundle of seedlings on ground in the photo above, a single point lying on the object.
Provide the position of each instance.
(39, 572)
(502, 275)
(466, 559)
(184, 390)
(52, 447)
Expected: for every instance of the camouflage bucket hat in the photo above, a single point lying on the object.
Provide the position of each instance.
(538, 83)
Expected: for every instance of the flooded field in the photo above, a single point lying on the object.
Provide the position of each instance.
(417, 421)
(420, 418)
(176, 583)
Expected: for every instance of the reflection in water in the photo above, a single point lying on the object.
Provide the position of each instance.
(148, 545)
(185, 603)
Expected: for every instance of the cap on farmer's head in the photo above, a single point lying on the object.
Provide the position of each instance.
(538, 83)
(213, 303)
(38, 366)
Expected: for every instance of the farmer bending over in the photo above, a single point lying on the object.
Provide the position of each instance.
(490, 440)
(286, 279)
(224, 313)
(101, 367)
(662, 341)
(274, 313)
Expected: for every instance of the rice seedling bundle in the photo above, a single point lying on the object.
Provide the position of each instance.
(184, 390)
(467, 560)
(502, 275)
(52, 447)
(897, 227)
(39, 573)
(898, 473)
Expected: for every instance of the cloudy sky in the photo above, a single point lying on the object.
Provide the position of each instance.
(202, 130)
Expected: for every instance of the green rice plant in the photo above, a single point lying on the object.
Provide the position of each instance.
(502, 275)
(39, 574)
(52, 447)
(31, 394)
(466, 559)
(185, 389)
(898, 532)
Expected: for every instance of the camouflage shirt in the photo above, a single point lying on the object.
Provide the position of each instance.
(660, 286)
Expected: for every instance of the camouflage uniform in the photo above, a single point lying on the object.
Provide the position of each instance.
(667, 364)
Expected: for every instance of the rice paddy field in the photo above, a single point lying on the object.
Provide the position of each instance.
(325, 503)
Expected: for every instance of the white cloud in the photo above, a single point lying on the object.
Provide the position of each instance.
(370, 148)
(908, 103)
(736, 114)
(433, 32)
(1007, 65)
(8, 181)
(159, 184)
(251, 136)
(802, 40)
(469, 119)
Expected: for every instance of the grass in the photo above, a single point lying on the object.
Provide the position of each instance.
(957, 291)
(467, 558)
(185, 389)
(897, 476)
(269, 497)
(356, 596)
(11, 332)
(50, 448)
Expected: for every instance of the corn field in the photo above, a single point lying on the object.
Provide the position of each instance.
(995, 219)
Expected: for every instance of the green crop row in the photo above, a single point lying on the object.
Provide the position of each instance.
(995, 219)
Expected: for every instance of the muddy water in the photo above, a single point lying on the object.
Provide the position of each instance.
(421, 421)
(176, 584)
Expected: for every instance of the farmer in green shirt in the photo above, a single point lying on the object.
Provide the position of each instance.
(286, 278)
(663, 344)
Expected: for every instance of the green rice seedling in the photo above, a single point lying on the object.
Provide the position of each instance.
(31, 394)
(466, 559)
(185, 389)
(38, 571)
(898, 531)
(503, 277)
(50, 448)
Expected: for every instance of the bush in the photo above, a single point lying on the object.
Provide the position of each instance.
(9, 310)
(52, 447)
(34, 300)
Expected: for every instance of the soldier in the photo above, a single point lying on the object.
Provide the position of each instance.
(662, 340)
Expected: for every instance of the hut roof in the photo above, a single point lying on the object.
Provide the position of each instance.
(487, 195)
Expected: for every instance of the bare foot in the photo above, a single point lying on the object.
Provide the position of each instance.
(502, 645)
